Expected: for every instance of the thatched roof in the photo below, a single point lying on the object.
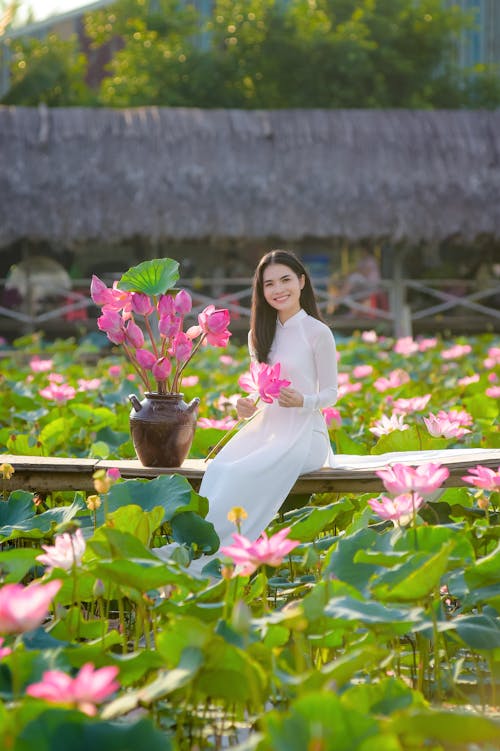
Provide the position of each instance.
(77, 174)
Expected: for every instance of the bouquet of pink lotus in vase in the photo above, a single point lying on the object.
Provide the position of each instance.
(144, 314)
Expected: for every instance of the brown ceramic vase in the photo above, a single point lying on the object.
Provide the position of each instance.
(162, 428)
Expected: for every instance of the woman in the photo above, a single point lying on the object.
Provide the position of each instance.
(257, 468)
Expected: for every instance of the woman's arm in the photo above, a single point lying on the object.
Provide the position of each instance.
(325, 358)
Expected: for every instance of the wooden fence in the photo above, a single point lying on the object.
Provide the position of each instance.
(401, 308)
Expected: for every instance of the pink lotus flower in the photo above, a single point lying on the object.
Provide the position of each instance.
(332, 417)
(113, 473)
(468, 380)
(263, 379)
(493, 391)
(226, 423)
(56, 378)
(226, 360)
(387, 425)
(115, 371)
(213, 323)
(395, 379)
(348, 388)
(483, 477)
(406, 346)
(269, 551)
(58, 393)
(225, 403)
(425, 344)
(88, 385)
(415, 404)
(443, 427)
(456, 415)
(188, 381)
(66, 552)
(457, 351)
(424, 479)
(119, 300)
(399, 510)
(88, 688)
(110, 321)
(99, 292)
(40, 366)
(24, 608)
(493, 358)
(362, 371)
(370, 337)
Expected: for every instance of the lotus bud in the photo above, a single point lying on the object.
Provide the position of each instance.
(166, 305)
(169, 326)
(145, 358)
(98, 590)
(134, 335)
(183, 302)
(142, 304)
(116, 337)
(182, 347)
(161, 369)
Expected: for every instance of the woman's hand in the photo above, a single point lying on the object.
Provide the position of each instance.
(290, 398)
(245, 407)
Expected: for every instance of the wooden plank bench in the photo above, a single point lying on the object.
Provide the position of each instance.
(352, 474)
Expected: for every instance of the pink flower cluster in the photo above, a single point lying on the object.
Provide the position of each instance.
(166, 358)
(263, 380)
(409, 485)
(457, 351)
(269, 551)
(88, 688)
(225, 423)
(395, 379)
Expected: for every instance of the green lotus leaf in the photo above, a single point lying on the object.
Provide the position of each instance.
(151, 277)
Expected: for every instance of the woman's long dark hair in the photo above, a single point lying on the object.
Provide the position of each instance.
(263, 316)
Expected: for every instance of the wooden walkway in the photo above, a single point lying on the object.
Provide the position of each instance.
(353, 474)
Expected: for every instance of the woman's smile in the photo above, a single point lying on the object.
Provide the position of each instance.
(282, 288)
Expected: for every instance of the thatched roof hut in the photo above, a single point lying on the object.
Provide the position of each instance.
(81, 174)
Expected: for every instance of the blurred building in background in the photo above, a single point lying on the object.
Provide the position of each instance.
(479, 45)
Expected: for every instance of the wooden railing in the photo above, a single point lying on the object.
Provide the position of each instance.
(401, 309)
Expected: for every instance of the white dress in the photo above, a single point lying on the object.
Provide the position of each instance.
(258, 467)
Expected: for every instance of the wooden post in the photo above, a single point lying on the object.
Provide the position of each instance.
(399, 308)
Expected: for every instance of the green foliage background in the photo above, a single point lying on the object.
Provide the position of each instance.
(262, 54)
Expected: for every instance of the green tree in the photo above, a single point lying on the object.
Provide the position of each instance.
(337, 53)
(158, 48)
(50, 71)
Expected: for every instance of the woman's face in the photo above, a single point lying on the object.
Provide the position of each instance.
(282, 288)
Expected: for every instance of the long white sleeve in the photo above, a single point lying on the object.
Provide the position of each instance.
(325, 360)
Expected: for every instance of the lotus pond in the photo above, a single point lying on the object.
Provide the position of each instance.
(372, 634)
